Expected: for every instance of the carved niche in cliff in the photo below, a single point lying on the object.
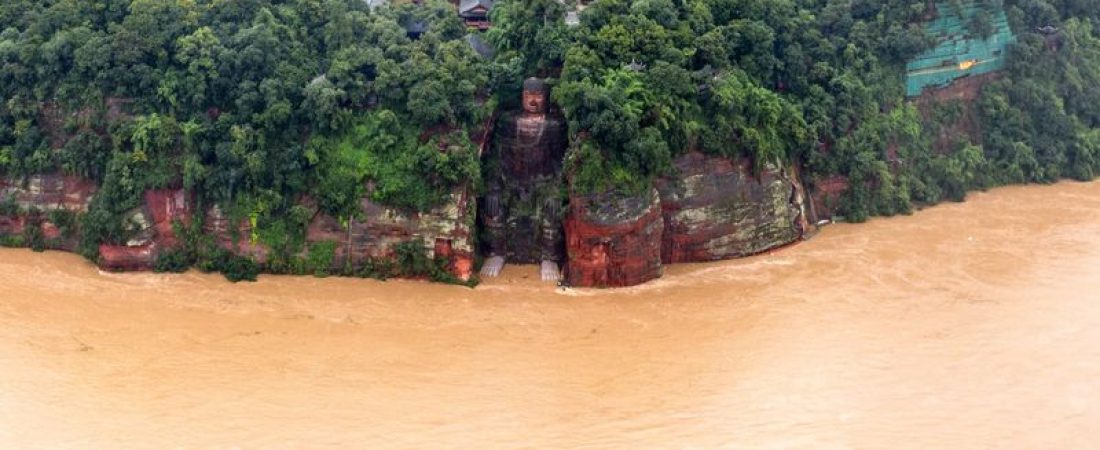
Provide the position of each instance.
(521, 212)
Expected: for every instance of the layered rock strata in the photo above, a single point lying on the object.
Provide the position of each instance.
(715, 208)
(28, 207)
(710, 208)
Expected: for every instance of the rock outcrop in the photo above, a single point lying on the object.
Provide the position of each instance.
(153, 231)
(612, 240)
(715, 208)
(126, 258)
(711, 208)
(166, 207)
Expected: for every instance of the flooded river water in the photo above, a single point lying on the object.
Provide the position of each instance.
(973, 325)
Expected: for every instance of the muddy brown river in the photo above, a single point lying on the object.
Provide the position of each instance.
(973, 325)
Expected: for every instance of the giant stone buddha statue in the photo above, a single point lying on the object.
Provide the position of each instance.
(521, 212)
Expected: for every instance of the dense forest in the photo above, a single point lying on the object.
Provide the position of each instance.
(252, 104)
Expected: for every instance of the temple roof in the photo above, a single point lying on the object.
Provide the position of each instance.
(572, 18)
(415, 28)
(469, 5)
(634, 65)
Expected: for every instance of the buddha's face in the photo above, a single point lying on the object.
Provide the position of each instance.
(534, 101)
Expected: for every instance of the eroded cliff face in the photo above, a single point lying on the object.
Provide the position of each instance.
(444, 232)
(712, 208)
(49, 192)
(32, 212)
(27, 205)
(31, 206)
(715, 208)
(613, 240)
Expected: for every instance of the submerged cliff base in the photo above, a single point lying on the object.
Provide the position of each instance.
(712, 208)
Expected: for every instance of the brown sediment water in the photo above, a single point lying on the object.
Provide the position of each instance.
(973, 325)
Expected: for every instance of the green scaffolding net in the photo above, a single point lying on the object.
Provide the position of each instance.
(958, 53)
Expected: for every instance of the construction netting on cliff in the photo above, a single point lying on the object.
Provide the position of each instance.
(958, 52)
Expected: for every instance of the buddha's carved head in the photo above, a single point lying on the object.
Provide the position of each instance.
(534, 96)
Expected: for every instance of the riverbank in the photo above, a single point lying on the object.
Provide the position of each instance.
(969, 325)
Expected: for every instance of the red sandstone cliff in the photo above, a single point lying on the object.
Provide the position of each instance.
(613, 241)
(712, 208)
(155, 232)
(124, 258)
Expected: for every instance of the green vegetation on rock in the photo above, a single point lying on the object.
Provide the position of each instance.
(254, 105)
